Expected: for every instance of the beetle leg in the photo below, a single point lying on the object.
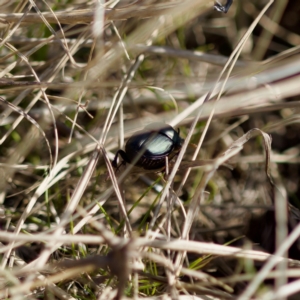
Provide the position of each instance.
(223, 8)
(124, 157)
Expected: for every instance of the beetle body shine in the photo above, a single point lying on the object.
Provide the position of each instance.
(150, 147)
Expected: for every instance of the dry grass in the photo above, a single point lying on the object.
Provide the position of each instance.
(79, 77)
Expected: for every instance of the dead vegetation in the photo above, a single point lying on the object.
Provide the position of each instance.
(77, 78)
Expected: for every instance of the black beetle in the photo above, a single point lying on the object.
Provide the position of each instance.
(223, 8)
(151, 146)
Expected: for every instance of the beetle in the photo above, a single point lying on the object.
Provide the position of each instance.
(223, 8)
(150, 147)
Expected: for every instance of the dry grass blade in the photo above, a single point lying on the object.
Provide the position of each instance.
(285, 291)
(176, 16)
(219, 250)
(85, 16)
(270, 264)
(31, 120)
(235, 148)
